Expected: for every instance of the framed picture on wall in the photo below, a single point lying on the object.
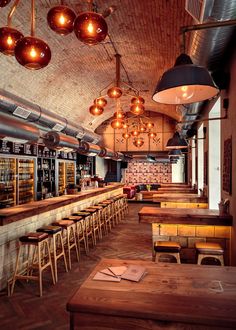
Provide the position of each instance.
(227, 166)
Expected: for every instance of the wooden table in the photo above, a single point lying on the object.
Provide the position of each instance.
(187, 226)
(183, 190)
(170, 296)
(184, 216)
(179, 197)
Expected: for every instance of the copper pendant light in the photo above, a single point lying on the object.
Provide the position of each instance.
(126, 125)
(119, 115)
(152, 135)
(126, 135)
(139, 142)
(8, 35)
(135, 132)
(31, 52)
(90, 28)
(117, 123)
(142, 128)
(137, 109)
(150, 125)
(114, 92)
(96, 110)
(3, 3)
(101, 101)
(61, 19)
(137, 100)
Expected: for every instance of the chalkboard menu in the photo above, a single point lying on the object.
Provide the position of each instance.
(8, 147)
(66, 155)
(45, 152)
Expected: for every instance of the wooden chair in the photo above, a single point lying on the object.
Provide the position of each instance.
(167, 248)
(209, 250)
(34, 243)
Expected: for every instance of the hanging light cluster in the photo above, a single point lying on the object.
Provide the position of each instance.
(31, 52)
(89, 26)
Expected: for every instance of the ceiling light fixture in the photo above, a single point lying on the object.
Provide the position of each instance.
(96, 110)
(176, 142)
(61, 19)
(138, 142)
(3, 3)
(90, 27)
(31, 52)
(185, 82)
(8, 35)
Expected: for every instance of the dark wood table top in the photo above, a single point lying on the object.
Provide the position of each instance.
(177, 190)
(191, 294)
(20, 212)
(192, 216)
(179, 197)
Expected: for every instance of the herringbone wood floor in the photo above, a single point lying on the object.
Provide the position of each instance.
(25, 310)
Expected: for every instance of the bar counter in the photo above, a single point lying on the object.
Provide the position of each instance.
(188, 226)
(179, 197)
(21, 219)
(20, 212)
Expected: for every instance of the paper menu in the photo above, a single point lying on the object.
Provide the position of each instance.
(103, 277)
(134, 273)
(118, 271)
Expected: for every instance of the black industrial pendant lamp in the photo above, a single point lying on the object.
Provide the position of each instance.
(185, 83)
(175, 153)
(176, 142)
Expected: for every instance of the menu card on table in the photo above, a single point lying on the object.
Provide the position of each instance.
(115, 274)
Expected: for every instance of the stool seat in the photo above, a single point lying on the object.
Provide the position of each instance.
(49, 229)
(90, 210)
(103, 205)
(82, 214)
(209, 248)
(96, 207)
(74, 218)
(33, 237)
(167, 246)
(63, 223)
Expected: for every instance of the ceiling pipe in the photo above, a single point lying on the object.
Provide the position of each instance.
(58, 141)
(106, 153)
(18, 129)
(31, 112)
(88, 149)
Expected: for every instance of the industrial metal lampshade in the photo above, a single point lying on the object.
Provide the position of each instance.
(3, 3)
(175, 153)
(90, 28)
(176, 142)
(185, 83)
(8, 40)
(32, 53)
(96, 110)
(61, 19)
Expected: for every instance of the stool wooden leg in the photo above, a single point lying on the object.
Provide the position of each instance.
(16, 269)
(40, 271)
(49, 261)
(203, 256)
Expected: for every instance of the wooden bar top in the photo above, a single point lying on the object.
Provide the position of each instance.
(169, 295)
(179, 197)
(184, 216)
(177, 190)
(20, 212)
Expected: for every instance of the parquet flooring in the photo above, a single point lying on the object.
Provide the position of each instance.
(26, 311)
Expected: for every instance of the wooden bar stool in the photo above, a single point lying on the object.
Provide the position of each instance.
(80, 231)
(56, 245)
(35, 259)
(108, 212)
(105, 217)
(209, 250)
(69, 236)
(88, 226)
(95, 223)
(166, 248)
(101, 219)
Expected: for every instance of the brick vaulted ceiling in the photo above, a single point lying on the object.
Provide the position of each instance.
(144, 32)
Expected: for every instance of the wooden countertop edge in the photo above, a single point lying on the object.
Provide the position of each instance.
(14, 214)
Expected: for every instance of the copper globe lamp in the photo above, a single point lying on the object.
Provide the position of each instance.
(31, 52)
(137, 100)
(126, 125)
(137, 109)
(149, 125)
(135, 132)
(96, 110)
(90, 27)
(117, 123)
(138, 142)
(8, 35)
(126, 135)
(152, 135)
(3, 3)
(101, 101)
(142, 128)
(61, 19)
(114, 92)
(119, 115)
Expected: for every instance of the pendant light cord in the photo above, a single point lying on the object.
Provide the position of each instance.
(13, 8)
(32, 18)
